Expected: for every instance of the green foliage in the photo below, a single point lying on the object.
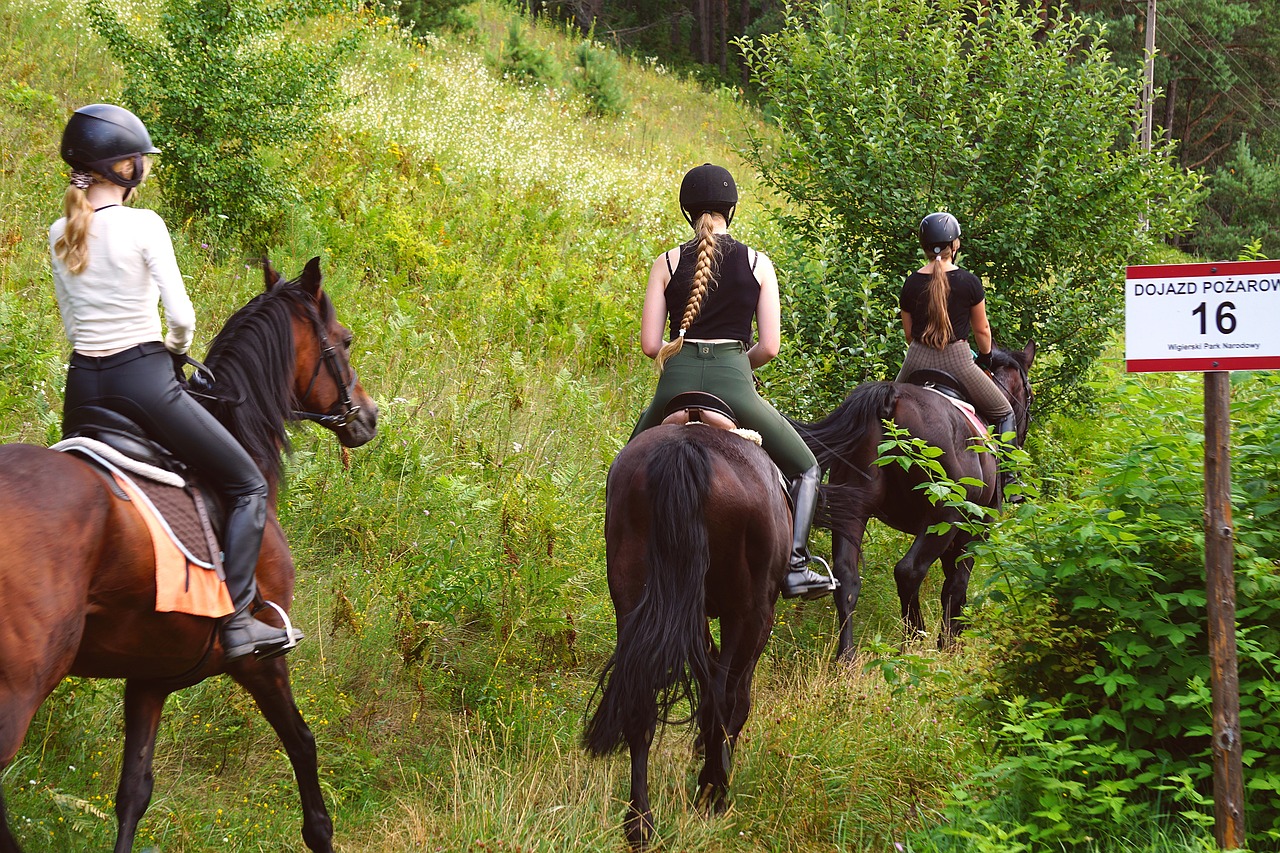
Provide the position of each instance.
(1096, 623)
(1242, 211)
(526, 61)
(430, 16)
(229, 94)
(597, 77)
(1024, 130)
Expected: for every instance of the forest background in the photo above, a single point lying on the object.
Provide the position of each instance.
(486, 194)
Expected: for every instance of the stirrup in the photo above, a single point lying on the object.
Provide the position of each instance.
(291, 635)
(810, 589)
(294, 635)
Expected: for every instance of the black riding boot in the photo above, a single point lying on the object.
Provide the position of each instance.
(1009, 423)
(801, 581)
(241, 633)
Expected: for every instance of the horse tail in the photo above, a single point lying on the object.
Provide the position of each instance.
(663, 651)
(843, 433)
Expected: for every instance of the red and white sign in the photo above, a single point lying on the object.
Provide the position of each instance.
(1202, 317)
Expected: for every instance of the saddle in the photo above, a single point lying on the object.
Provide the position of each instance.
(699, 407)
(182, 517)
(944, 383)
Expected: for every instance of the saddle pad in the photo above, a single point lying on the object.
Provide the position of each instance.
(182, 585)
(966, 409)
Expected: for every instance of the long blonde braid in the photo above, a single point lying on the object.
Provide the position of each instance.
(703, 276)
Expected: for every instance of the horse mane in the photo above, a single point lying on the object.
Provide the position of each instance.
(253, 360)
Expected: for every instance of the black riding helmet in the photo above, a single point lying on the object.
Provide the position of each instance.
(705, 188)
(938, 229)
(99, 135)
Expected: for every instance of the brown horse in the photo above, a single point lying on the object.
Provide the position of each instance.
(77, 568)
(847, 445)
(696, 528)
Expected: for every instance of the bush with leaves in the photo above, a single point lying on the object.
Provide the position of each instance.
(598, 78)
(1020, 126)
(1097, 619)
(523, 59)
(228, 88)
(430, 16)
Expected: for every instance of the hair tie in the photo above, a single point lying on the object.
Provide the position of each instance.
(81, 179)
(681, 333)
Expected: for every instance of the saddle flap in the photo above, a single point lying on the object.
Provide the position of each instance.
(120, 433)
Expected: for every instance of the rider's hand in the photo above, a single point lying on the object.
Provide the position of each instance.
(984, 361)
(179, 367)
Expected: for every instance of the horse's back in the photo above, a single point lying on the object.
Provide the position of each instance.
(742, 507)
(932, 418)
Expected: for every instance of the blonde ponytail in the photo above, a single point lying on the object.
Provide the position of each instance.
(938, 331)
(703, 276)
(72, 248)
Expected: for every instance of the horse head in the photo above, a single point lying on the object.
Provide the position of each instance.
(325, 386)
(1010, 369)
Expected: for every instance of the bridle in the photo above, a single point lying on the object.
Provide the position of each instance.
(1021, 412)
(329, 359)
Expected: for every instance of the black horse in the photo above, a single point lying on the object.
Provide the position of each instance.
(696, 527)
(847, 445)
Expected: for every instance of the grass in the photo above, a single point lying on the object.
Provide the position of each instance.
(488, 244)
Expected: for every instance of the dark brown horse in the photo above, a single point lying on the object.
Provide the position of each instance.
(696, 527)
(77, 567)
(847, 445)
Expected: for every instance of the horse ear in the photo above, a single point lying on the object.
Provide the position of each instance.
(1029, 354)
(310, 278)
(270, 278)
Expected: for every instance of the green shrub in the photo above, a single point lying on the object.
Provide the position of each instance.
(227, 89)
(1096, 619)
(430, 16)
(598, 79)
(525, 61)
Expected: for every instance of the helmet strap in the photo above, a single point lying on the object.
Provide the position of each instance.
(103, 167)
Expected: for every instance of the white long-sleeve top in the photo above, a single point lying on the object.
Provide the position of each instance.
(132, 269)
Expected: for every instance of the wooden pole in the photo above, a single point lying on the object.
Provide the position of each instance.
(1149, 75)
(1228, 772)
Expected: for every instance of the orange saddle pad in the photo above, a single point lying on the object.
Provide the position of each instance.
(182, 586)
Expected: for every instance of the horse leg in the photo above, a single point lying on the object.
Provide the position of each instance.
(639, 823)
(143, 702)
(17, 707)
(713, 779)
(910, 571)
(268, 682)
(957, 566)
(846, 563)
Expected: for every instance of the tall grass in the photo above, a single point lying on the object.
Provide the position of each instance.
(488, 243)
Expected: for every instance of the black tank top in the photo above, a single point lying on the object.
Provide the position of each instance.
(729, 305)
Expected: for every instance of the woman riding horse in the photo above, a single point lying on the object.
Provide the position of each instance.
(940, 303)
(709, 290)
(110, 266)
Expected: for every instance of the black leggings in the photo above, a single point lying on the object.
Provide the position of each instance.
(140, 384)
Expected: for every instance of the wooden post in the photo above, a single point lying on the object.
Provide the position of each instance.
(1228, 772)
